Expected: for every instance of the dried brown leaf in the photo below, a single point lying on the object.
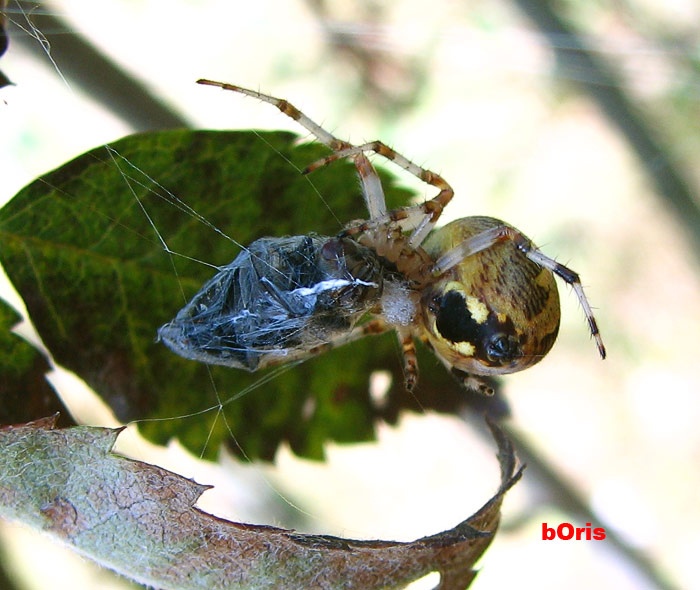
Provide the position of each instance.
(140, 520)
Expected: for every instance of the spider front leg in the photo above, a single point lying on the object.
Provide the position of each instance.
(288, 109)
(371, 185)
(421, 219)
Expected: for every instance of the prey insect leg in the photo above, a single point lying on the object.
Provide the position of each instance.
(372, 327)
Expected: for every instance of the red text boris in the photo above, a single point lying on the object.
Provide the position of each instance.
(567, 531)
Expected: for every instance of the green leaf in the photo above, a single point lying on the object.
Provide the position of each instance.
(24, 392)
(84, 246)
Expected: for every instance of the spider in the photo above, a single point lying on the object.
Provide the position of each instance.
(476, 291)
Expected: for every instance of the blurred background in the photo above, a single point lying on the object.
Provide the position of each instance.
(577, 122)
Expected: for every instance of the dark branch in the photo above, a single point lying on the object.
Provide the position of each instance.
(94, 72)
(597, 79)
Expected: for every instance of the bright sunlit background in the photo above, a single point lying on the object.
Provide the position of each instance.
(472, 90)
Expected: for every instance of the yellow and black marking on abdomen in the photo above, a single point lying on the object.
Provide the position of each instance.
(496, 311)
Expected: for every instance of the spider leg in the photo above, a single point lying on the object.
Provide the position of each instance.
(500, 233)
(430, 210)
(405, 219)
(371, 185)
(472, 382)
(379, 326)
(410, 360)
(288, 109)
(423, 217)
(571, 277)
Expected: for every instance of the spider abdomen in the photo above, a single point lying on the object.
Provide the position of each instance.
(496, 311)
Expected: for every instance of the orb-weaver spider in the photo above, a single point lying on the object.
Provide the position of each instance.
(476, 291)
